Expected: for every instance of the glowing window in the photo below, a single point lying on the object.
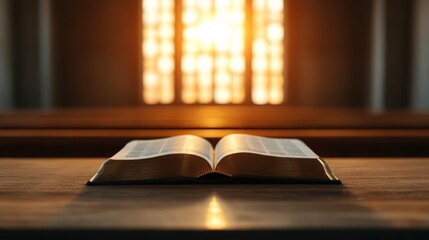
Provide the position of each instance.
(213, 51)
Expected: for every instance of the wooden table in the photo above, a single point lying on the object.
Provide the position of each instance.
(386, 198)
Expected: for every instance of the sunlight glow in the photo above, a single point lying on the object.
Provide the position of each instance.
(213, 44)
(267, 52)
(158, 51)
(215, 61)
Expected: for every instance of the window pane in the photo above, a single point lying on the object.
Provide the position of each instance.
(158, 51)
(267, 52)
(213, 51)
(215, 63)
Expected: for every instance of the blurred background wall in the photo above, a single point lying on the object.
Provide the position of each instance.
(341, 53)
(5, 56)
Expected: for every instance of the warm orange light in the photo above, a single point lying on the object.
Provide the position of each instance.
(213, 49)
(215, 217)
(158, 51)
(275, 32)
(267, 52)
(213, 64)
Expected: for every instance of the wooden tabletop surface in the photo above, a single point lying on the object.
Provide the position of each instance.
(378, 198)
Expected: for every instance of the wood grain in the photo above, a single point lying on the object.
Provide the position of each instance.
(102, 132)
(106, 142)
(379, 197)
(213, 117)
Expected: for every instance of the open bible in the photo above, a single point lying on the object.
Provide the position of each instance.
(236, 157)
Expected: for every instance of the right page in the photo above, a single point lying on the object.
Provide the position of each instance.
(242, 155)
(280, 147)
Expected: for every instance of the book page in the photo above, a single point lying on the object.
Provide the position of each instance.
(278, 147)
(184, 144)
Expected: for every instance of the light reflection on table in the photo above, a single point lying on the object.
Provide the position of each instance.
(215, 218)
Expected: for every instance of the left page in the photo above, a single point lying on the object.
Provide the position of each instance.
(167, 159)
(183, 144)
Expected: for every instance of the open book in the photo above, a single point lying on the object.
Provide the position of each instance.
(236, 157)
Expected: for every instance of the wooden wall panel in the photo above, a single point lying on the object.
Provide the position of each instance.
(6, 96)
(25, 59)
(398, 54)
(96, 52)
(328, 44)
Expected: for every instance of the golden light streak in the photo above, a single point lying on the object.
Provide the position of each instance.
(215, 218)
